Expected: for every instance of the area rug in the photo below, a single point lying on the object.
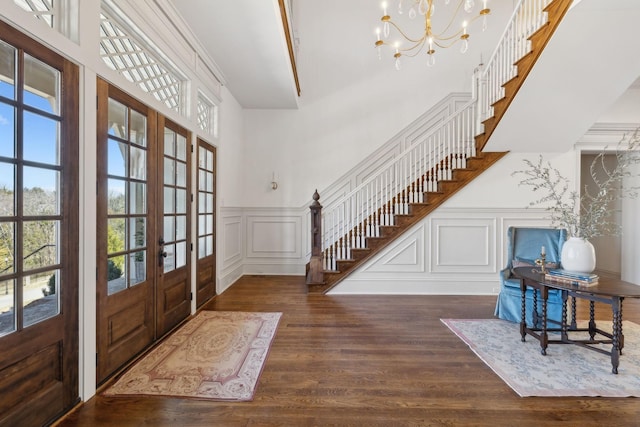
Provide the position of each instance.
(566, 370)
(216, 355)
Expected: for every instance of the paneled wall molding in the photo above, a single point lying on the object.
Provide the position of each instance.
(454, 251)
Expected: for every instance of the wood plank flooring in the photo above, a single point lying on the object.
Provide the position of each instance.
(365, 361)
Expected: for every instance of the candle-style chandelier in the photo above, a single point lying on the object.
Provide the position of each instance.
(445, 36)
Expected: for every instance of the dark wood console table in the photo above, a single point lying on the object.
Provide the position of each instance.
(608, 291)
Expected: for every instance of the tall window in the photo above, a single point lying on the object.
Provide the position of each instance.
(30, 184)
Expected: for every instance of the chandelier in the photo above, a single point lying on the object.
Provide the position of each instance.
(450, 34)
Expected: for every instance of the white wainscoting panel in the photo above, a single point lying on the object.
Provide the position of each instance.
(405, 254)
(273, 237)
(463, 245)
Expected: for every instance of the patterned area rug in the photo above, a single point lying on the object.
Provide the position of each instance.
(566, 370)
(216, 355)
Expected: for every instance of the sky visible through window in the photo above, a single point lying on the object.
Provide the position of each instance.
(41, 140)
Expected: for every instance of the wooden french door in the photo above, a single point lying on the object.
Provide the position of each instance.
(174, 225)
(143, 227)
(206, 229)
(38, 232)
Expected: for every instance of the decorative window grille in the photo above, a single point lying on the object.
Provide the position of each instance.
(44, 10)
(204, 114)
(207, 115)
(122, 53)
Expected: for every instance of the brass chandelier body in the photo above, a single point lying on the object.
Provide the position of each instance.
(429, 40)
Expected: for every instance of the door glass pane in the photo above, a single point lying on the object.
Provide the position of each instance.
(202, 159)
(210, 160)
(209, 202)
(7, 129)
(169, 261)
(209, 181)
(41, 85)
(41, 191)
(139, 270)
(202, 228)
(169, 200)
(169, 171)
(209, 224)
(117, 156)
(181, 174)
(138, 198)
(41, 297)
(181, 201)
(40, 241)
(181, 227)
(181, 254)
(202, 248)
(209, 245)
(116, 201)
(202, 180)
(7, 195)
(202, 205)
(138, 128)
(41, 139)
(116, 281)
(181, 148)
(138, 233)
(117, 119)
(169, 229)
(7, 70)
(7, 249)
(116, 235)
(169, 143)
(7, 312)
(138, 163)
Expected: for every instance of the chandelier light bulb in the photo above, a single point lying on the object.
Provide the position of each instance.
(400, 11)
(378, 33)
(384, 8)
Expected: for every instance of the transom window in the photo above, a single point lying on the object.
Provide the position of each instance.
(123, 53)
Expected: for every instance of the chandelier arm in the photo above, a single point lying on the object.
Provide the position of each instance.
(421, 39)
(457, 34)
(453, 17)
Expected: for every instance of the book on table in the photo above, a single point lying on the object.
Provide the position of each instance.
(572, 277)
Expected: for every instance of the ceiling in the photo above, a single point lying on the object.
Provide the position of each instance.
(334, 39)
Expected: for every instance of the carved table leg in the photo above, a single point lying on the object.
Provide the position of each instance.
(617, 333)
(523, 310)
(592, 322)
(544, 338)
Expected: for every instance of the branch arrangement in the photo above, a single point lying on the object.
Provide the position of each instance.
(587, 215)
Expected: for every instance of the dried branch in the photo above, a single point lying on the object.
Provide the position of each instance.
(587, 215)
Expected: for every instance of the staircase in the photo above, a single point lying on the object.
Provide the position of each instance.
(413, 184)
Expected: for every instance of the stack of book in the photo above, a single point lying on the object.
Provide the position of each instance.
(571, 277)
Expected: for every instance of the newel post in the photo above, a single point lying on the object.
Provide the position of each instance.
(315, 273)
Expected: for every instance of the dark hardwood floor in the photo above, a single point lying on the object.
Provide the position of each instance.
(365, 361)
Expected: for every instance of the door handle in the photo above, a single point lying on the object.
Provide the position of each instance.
(161, 256)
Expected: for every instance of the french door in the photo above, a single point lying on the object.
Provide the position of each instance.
(206, 246)
(143, 285)
(38, 232)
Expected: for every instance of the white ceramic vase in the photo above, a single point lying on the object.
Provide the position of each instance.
(578, 255)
